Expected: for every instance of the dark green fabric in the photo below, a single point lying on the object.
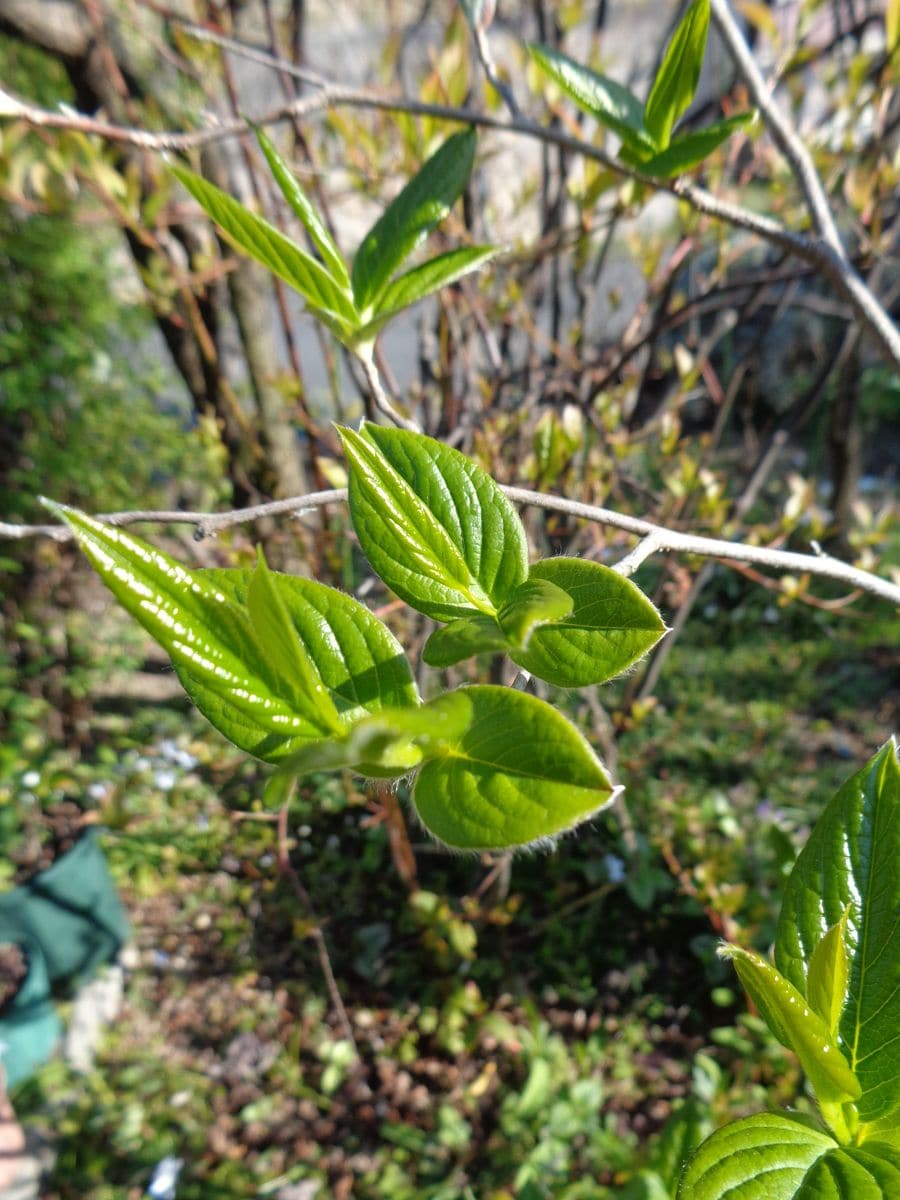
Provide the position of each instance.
(71, 910)
(29, 1026)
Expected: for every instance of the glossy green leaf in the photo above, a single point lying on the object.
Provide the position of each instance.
(533, 603)
(885, 1129)
(389, 743)
(434, 526)
(521, 774)
(679, 73)
(306, 211)
(826, 984)
(765, 1157)
(426, 279)
(202, 620)
(611, 103)
(853, 1173)
(421, 205)
(284, 652)
(611, 625)
(196, 623)
(689, 150)
(796, 1026)
(464, 638)
(851, 860)
(262, 241)
(358, 659)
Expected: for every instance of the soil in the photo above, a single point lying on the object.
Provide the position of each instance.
(13, 969)
(61, 826)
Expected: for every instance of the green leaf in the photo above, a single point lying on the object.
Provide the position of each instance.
(534, 603)
(262, 241)
(519, 775)
(885, 1129)
(689, 150)
(202, 619)
(421, 205)
(851, 860)
(195, 622)
(852, 1173)
(796, 1026)
(464, 638)
(285, 653)
(358, 659)
(765, 1157)
(305, 210)
(611, 625)
(679, 73)
(826, 984)
(389, 743)
(422, 281)
(611, 103)
(434, 526)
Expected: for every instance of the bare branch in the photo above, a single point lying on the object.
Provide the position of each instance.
(841, 271)
(645, 548)
(663, 539)
(827, 256)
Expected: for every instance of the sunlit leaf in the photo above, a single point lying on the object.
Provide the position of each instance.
(612, 624)
(826, 984)
(689, 150)
(305, 210)
(201, 618)
(611, 103)
(421, 205)
(532, 604)
(850, 861)
(434, 526)
(796, 1026)
(358, 659)
(192, 619)
(464, 638)
(423, 281)
(676, 80)
(262, 241)
(520, 774)
(765, 1157)
(284, 652)
(389, 743)
(853, 1173)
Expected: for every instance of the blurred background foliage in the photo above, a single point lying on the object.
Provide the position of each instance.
(557, 1026)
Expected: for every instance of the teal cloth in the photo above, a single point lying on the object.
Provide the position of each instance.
(72, 911)
(29, 1026)
(68, 920)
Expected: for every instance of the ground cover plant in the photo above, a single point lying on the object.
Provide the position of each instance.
(306, 678)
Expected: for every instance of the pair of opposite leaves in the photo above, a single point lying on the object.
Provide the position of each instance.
(301, 675)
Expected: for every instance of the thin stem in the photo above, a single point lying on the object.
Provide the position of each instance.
(668, 539)
(380, 396)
